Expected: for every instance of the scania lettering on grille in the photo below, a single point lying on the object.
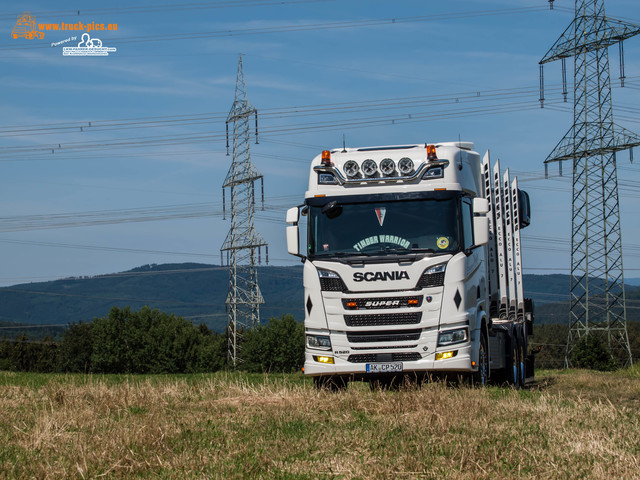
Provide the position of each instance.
(380, 276)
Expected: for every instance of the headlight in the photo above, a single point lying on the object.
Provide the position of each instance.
(451, 337)
(405, 165)
(387, 167)
(433, 276)
(369, 167)
(321, 342)
(331, 281)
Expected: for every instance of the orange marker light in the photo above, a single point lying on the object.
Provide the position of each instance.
(413, 301)
(352, 304)
(431, 153)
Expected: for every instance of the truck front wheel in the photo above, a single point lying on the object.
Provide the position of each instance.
(481, 377)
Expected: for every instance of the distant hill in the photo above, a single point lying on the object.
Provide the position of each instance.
(198, 291)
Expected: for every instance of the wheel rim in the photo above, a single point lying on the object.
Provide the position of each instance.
(484, 363)
(515, 363)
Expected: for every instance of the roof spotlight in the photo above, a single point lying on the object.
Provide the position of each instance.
(369, 167)
(387, 167)
(351, 168)
(405, 165)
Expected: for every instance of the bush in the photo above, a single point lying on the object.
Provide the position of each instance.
(275, 347)
(76, 348)
(592, 353)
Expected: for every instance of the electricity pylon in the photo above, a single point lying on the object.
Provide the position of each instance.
(243, 242)
(597, 305)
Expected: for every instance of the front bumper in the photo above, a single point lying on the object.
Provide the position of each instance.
(461, 362)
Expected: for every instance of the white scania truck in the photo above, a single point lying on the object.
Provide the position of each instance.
(412, 266)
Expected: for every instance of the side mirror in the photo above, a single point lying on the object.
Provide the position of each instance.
(293, 232)
(480, 231)
(525, 208)
(293, 240)
(480, 206)
(480, 222)
(293, 215)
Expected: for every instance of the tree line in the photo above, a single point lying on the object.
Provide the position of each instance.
(150, 341)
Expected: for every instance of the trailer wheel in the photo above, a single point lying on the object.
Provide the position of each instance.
(523, 369)
(515, 364)
(481, 377)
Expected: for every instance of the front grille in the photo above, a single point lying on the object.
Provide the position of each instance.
(381, 303)
(384, 336)
(332, 284)
(431, 280)
(384, 357)
(386, 347)
(383, 319)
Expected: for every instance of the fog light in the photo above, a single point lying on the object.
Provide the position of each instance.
(328, 360)
(445, 355)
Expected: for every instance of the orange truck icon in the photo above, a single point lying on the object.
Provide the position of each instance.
(26, 27)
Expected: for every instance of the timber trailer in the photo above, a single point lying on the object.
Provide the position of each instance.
(412, 267)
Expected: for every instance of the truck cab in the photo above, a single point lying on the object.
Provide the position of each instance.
(396, 265)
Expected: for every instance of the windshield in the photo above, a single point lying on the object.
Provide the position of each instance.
(384, 227)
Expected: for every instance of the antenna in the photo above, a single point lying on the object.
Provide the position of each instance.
(344, 148)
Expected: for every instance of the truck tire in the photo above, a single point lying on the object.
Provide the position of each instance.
(523, 368)
(514, 373)
(481, 377)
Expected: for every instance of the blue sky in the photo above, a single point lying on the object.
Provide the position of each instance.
(441, 71)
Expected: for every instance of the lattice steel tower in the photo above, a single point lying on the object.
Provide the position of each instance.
(597, 305)
(243, 244)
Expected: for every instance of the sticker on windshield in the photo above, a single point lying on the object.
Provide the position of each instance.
(442, 242)
(375, 239)
(380, 213)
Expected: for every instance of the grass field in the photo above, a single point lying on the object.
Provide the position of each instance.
(571, 424)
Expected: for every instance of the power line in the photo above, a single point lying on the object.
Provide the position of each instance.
(322, 26)
(161, 8)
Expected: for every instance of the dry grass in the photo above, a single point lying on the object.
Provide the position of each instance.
(569, 425)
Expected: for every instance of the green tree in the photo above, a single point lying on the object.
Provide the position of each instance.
(275, 347)
(76, 348)
(592, 353)
(150, 341)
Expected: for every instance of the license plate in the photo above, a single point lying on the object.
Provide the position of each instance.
(384, 367)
